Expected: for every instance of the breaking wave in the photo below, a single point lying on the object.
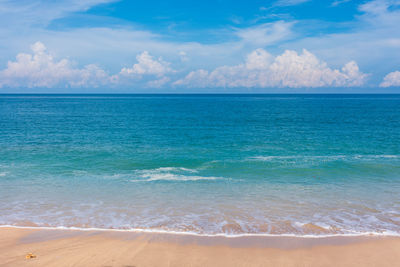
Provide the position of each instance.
(171, 174)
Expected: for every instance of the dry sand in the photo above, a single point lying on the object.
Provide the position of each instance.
(106, 248)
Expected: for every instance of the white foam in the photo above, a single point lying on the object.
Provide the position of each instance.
(271, 158)
(173, 177)
(171, 174)
(189, 233)
(327, 157)
(171, 169)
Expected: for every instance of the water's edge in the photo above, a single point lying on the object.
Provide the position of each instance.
(160, 231)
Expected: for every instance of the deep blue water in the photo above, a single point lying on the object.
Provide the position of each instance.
(232, 164)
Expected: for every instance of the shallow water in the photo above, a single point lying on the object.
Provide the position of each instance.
(209, 164)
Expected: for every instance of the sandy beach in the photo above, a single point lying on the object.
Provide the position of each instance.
(108, 248)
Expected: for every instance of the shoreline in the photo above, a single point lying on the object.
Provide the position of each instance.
(194, 234)
(67, 247)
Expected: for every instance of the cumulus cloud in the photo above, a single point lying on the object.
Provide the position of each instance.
(374, 32)
(148, 70)
(40, 69)
(147, 65)
(290, 69)
(392, 79)
(259, 70)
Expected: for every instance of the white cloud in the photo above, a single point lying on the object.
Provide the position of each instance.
(42, 12)
(258, 59)
(147, 72)
(148, 66)
(376, 7)
(158, 83)
(371, 38)
(199, 78)
(40, 69)
(392, 79)
(290, 2)
(339, 2)
(266, 34)
(260, 69)
(183, 56)
(287, 70)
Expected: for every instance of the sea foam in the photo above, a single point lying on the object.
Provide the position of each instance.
(171, 174)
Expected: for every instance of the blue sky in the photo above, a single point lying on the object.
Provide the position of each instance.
(205, 46)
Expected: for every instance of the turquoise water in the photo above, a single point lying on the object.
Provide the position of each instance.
(205, 164)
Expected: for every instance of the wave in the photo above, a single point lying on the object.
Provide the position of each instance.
(169, 169)
(329, 157)
(149, 175)
(171, 174)
(174, 177)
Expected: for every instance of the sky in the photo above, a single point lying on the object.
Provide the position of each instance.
(220, 46)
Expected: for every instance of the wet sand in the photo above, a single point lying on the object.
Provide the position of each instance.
(108, 248)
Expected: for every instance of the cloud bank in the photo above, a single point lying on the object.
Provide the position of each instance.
(40, 69)
(260, 69)
(290, 69)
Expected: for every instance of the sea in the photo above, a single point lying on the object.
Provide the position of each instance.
(307, 165)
